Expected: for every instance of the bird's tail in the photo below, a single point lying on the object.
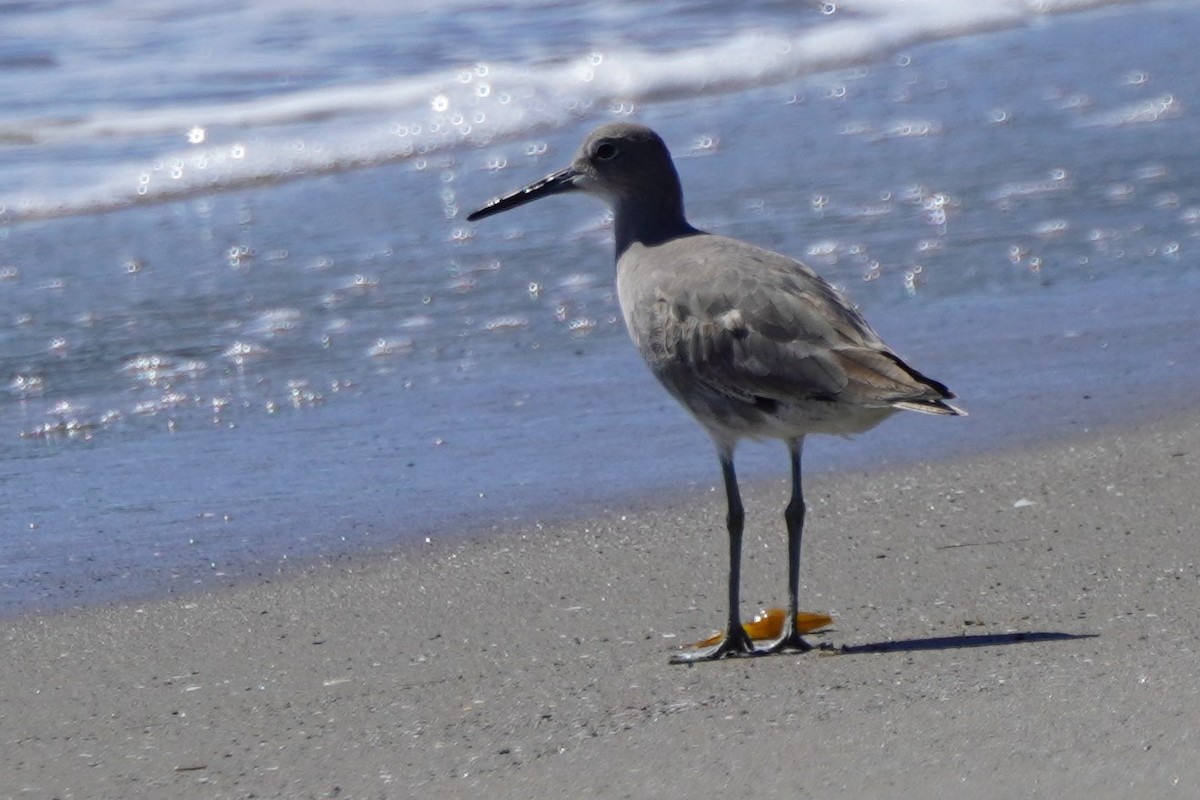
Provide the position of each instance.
(931, 407)
(932, 400)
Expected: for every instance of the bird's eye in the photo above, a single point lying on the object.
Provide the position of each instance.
(606, 151)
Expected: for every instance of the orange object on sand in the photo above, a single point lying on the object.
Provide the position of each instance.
(768, 624)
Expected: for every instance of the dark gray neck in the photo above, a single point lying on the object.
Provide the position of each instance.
(649, 223)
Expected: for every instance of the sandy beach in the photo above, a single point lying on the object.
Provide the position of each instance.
(1023, 624)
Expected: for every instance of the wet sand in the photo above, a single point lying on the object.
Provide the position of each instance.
(1016, 625)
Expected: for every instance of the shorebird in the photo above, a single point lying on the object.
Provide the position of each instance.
(753, 343)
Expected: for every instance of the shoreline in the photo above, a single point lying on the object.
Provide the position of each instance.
(207, 529)
(1014, 619)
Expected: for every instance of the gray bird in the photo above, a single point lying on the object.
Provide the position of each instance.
(753, 343)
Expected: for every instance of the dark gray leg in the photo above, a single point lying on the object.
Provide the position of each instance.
(794, 517)
(735, 641)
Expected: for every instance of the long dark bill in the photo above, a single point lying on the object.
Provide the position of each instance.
(556, 183)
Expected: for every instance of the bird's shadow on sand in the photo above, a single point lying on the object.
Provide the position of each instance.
(955, 642)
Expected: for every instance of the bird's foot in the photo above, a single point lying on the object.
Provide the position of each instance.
(791, 640)
(735, 642)
(774, 628)
(789, 636)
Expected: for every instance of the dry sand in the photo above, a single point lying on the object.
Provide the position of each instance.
(1023, 624)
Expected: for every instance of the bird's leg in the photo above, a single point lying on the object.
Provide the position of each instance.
(794, 517)
(735, 641)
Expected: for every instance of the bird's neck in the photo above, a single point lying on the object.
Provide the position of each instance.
(649, 224)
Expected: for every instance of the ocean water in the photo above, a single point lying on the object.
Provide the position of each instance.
(243, 321)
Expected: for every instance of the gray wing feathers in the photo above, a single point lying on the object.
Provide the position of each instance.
(789, 336)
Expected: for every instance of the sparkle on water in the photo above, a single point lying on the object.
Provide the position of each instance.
(299, 252)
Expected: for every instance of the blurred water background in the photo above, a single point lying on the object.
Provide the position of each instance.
(243, 320)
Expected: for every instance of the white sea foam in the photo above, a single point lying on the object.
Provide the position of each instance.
(164, 150)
